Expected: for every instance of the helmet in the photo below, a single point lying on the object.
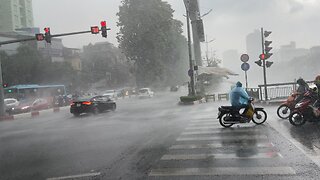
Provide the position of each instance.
(317, 80)
(239, 84)
(300, 81)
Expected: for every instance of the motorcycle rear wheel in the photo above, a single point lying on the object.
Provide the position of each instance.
(283, 111)
(259, 117)
(297, 119)
(222, 122)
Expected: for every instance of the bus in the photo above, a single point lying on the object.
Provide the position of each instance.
(32, 91)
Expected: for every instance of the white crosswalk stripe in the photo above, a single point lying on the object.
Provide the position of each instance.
(224, 144)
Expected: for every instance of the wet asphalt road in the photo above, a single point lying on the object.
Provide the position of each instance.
(156, 139)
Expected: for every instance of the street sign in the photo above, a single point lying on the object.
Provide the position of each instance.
(244, 58)
(245, 66)
(190, 72)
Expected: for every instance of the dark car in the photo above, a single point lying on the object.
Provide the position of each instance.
(92, 105)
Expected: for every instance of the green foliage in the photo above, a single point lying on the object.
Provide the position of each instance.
(152, 39)
(29, 67)
(104, 61)
(187, 99)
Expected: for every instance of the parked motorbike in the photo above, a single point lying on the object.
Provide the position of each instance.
(305, 110)
(229, 115)
(285, 109)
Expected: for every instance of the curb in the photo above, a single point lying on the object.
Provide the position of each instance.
(33, 114)
(6, 118)
(203, 100)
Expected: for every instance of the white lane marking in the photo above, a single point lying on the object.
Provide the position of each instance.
(219, 145)
(76, 176)
(246, 137)
(266, 155)
(204, 124)
(203, 121)
(205, 127)
(218, 132)
(309, 153)
(223, 171)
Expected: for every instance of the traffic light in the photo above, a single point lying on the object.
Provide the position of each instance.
(267, 47)
(47, 34)
(259, 62)
(262, 56)
(104, 29)
(95, 30)
(39, 37)
(268, 63)
(5, 85)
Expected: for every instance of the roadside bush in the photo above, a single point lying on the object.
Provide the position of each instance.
(190, 98)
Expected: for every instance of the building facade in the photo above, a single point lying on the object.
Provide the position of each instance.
(15, 14)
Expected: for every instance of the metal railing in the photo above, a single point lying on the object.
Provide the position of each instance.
(279, 90)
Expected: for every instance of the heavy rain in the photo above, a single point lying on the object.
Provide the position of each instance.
(159, 89)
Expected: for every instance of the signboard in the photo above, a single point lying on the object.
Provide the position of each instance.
(245, 66)
(244, 58)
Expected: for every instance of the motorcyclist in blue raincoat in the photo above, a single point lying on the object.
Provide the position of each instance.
(239, 97)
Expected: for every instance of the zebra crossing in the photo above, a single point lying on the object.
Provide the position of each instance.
(205, 149)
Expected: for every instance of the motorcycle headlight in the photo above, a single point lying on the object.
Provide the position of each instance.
(298, 105)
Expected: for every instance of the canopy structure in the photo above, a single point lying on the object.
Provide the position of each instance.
(215, 71)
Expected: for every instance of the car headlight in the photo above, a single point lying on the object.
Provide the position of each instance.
(298, 105)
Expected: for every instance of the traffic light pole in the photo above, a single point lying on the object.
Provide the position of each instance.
(264, 67)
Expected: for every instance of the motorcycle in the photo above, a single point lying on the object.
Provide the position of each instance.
(229, 115)
(305, 110)
(285, 109)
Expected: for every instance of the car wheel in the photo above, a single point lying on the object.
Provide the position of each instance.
(76, 114)
(95, 110)
(114, 107)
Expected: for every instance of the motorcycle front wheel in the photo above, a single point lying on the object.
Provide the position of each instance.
(222, 121)
(297, 119)
(283, 111)
(259, 117)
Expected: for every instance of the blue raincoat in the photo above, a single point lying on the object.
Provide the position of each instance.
(239, 97)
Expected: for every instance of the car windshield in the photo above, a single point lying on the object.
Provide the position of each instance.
(143, 90)
(109, 92)
(159, 89)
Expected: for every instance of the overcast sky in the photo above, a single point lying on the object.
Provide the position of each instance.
(229, 22)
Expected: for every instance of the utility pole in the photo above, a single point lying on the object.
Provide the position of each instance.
(192, 89)
(191, 65)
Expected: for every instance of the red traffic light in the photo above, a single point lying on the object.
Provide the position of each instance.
(39, 37)
(47, 30)
(262, 56)
(95, 30)
(103, 23)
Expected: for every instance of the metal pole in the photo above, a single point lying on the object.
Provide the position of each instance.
(2, 111)
(246, 77)
(264, 68)
(190, 56)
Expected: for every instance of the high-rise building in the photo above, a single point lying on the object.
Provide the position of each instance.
(253, 42)
(15, 14)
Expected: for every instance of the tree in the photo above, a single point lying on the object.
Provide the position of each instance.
(152, 39)
(28, 66)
